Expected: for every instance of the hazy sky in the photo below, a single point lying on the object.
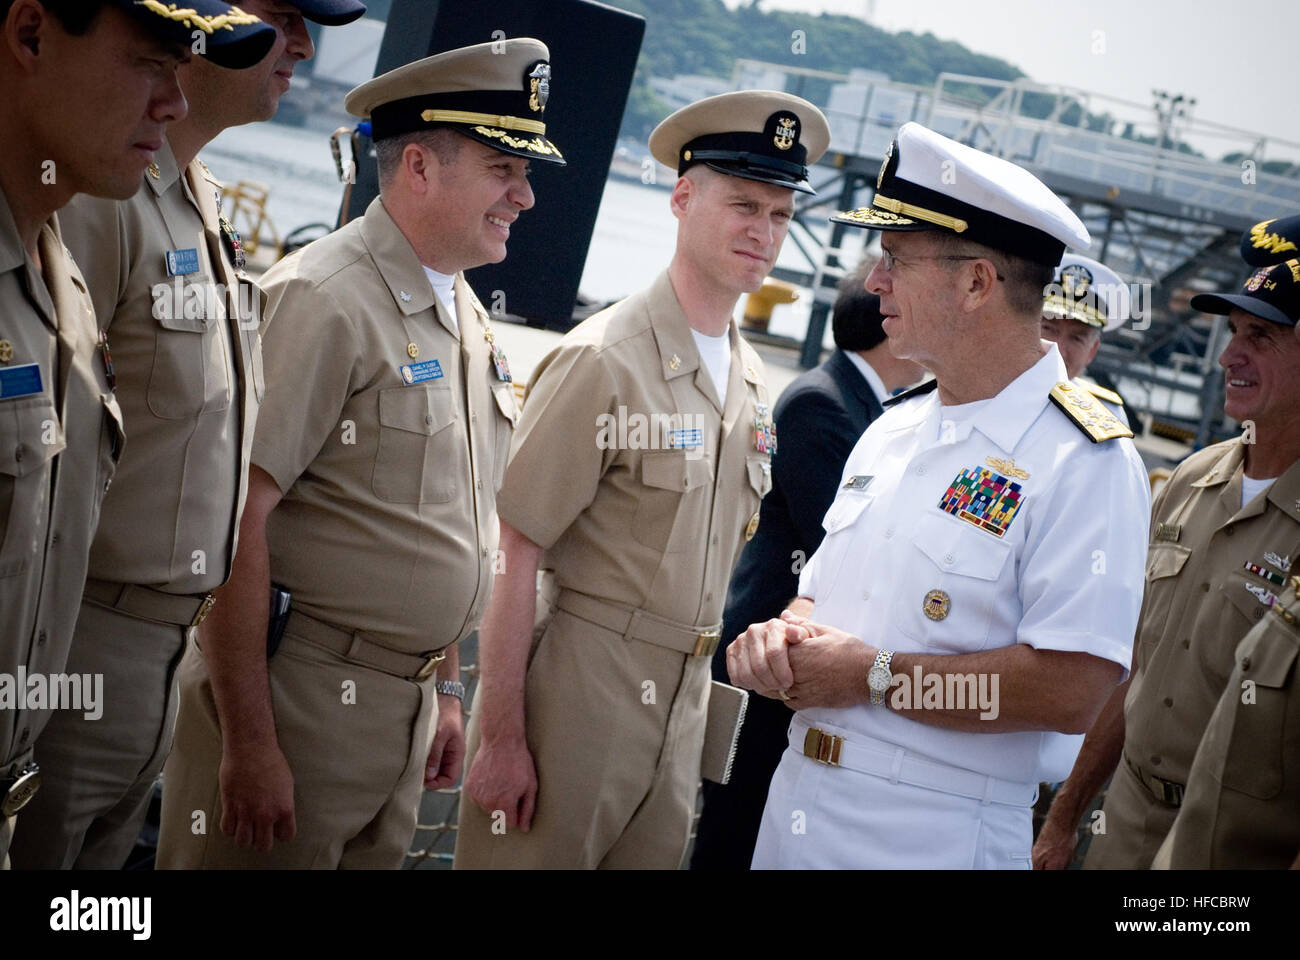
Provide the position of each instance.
(1236, 58)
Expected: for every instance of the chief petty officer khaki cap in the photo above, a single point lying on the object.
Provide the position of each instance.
(761, 135)
(230, 37)
(495, 93)
(929, 182)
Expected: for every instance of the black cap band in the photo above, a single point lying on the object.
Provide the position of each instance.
(746, 150)
(406, 116)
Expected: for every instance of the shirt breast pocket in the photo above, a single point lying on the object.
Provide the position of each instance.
(949, 588)
(836, 567)
(191, 363)
(1254, 757)
(420, 458)
(663, 518)
(30, 437)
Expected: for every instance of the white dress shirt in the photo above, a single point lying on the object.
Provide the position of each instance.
(1059, 565)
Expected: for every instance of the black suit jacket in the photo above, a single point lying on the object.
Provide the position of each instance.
(819, 418)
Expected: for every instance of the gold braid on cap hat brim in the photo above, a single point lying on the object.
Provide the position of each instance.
(1073, 310)
(536, 145)
(954, 224)
(491, 120)
(191, 17)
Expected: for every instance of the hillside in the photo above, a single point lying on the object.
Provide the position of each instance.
(704, 37)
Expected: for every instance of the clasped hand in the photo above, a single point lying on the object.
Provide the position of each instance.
(802, 663)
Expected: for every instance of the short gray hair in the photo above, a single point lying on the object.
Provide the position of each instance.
(443, 142)
(1025, 279)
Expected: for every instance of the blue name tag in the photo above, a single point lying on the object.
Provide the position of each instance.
(181, 263)
(685, 439)
(413, 373)
(20, 381)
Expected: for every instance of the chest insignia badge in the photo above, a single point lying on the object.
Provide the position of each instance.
(936, 605)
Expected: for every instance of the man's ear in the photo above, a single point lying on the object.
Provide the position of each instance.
(23, 28)
(420, 167)
(684, 192)
(979, 280)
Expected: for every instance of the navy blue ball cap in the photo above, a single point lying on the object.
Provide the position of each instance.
(1270, 293)
(1272, 241)
(231, 37)
(330, 13)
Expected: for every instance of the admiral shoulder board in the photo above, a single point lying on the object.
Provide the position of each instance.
(1077, 403)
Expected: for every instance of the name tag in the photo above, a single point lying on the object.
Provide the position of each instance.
(21, 381)
(685, 439)
(858, 483)
(413, 373)
(181, 263)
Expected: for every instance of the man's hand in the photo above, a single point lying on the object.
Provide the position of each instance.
(502, 777)
(448, 751)
(759, 658)
(1054, 848)
(257, 798)
(830, 669)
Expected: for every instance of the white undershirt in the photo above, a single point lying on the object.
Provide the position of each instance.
(444, 288)
(716, 354)
(1250, 489)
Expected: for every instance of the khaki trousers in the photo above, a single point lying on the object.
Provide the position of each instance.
(616, 728)
(97, 775)
(356, 740)
(1136, 825)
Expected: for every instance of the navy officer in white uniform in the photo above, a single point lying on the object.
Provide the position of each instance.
(988, 539)
(1085, 299)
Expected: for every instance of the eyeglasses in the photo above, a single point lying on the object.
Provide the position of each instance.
(888, 261)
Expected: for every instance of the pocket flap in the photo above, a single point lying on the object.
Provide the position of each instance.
(423, 410)
(760, 474)
(199, 295)
(955, 546)
(1268, 663)
(671, 470)
(505, 394)
(1165, 560)
(845, 510)
(30, 435)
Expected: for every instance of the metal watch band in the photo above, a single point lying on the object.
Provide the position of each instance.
(452, 688)
(883, 660)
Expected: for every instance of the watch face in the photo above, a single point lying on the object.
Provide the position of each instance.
(879, 678)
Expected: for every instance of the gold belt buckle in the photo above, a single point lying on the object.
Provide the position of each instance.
(822, 746)
(430, 665)
(706, 643)
(21, 790)
(204, 608)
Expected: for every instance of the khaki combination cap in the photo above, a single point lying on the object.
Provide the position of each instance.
(762, 135)
(495, 93)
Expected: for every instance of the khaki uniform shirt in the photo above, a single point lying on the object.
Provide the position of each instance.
(189, 377)
(1242, 807)
(58, 449)
(388, 462)
(628, 472)
(1201, 600)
